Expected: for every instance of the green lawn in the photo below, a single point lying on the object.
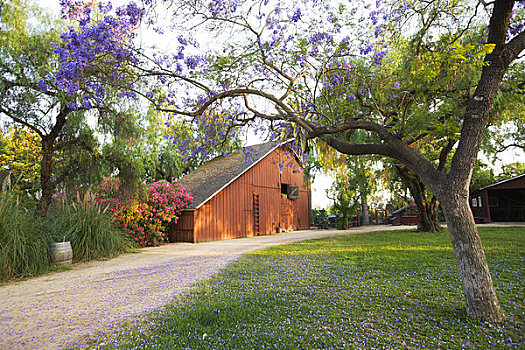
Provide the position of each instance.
(393, 290)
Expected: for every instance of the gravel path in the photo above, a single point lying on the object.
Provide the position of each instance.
(57, 309)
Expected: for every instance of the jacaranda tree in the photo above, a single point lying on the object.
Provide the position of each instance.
(319, 69)
(37, 91)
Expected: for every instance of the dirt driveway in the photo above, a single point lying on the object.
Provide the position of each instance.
(57, 309)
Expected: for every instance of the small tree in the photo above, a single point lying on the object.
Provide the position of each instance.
(344, 202)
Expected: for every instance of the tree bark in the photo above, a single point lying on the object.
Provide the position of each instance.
(364, 210)
(478, 289)
(344, 221)
(46, 182)
(431, 223)
(427, 211)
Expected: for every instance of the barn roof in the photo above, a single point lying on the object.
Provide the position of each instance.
(211, 177)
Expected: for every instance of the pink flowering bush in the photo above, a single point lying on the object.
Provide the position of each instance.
(110, 196)
(146, 215)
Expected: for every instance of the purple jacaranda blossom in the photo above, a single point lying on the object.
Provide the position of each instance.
(296, 16)
(42, 85)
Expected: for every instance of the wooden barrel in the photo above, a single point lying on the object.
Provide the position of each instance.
(61, 253)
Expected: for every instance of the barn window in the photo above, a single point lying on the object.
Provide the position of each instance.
(289, 191)
(474, 202)
(284, 189)
(479, 202)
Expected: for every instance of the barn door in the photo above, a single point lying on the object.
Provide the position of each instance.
(256, 215)
(286, 219)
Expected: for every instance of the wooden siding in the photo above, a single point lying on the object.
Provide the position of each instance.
(481, 211)
(182, 231)
(230, 213)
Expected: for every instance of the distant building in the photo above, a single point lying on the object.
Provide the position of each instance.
(501, 201)
(234, 198)
(406, 215)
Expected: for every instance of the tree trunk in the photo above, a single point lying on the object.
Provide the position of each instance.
(427, 211)
(48, 148)
(429, 220)
(46, 182)
(478, 289)
(364, 210)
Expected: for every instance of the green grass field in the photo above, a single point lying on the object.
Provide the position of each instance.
(393, 290)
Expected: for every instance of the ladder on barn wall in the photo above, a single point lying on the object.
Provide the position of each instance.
(256, 226)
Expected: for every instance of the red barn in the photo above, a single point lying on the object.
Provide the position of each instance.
(502, 201)
(234, 198)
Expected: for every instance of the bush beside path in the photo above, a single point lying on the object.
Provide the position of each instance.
(60, 308)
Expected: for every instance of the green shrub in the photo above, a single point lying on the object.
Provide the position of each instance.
(23, 245)
(90, 230)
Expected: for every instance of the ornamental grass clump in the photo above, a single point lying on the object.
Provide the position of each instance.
(90, 229)
(23, 245)
(145, 215)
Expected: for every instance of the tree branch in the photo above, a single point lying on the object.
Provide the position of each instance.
(288, 113)
(443, 155)
(476, 116)
(515, 46)
(499, 22)
(61, 120)
(357, 149)
(21, 121)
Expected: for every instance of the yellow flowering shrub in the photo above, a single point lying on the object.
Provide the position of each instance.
(21, 155)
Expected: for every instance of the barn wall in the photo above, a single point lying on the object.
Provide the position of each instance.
(182, 230)
(230, 213)
(264, 178)
(503, 202)
(507, 204)
(303, 212)
(227, 215)
(480, 210)
(295, 214)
